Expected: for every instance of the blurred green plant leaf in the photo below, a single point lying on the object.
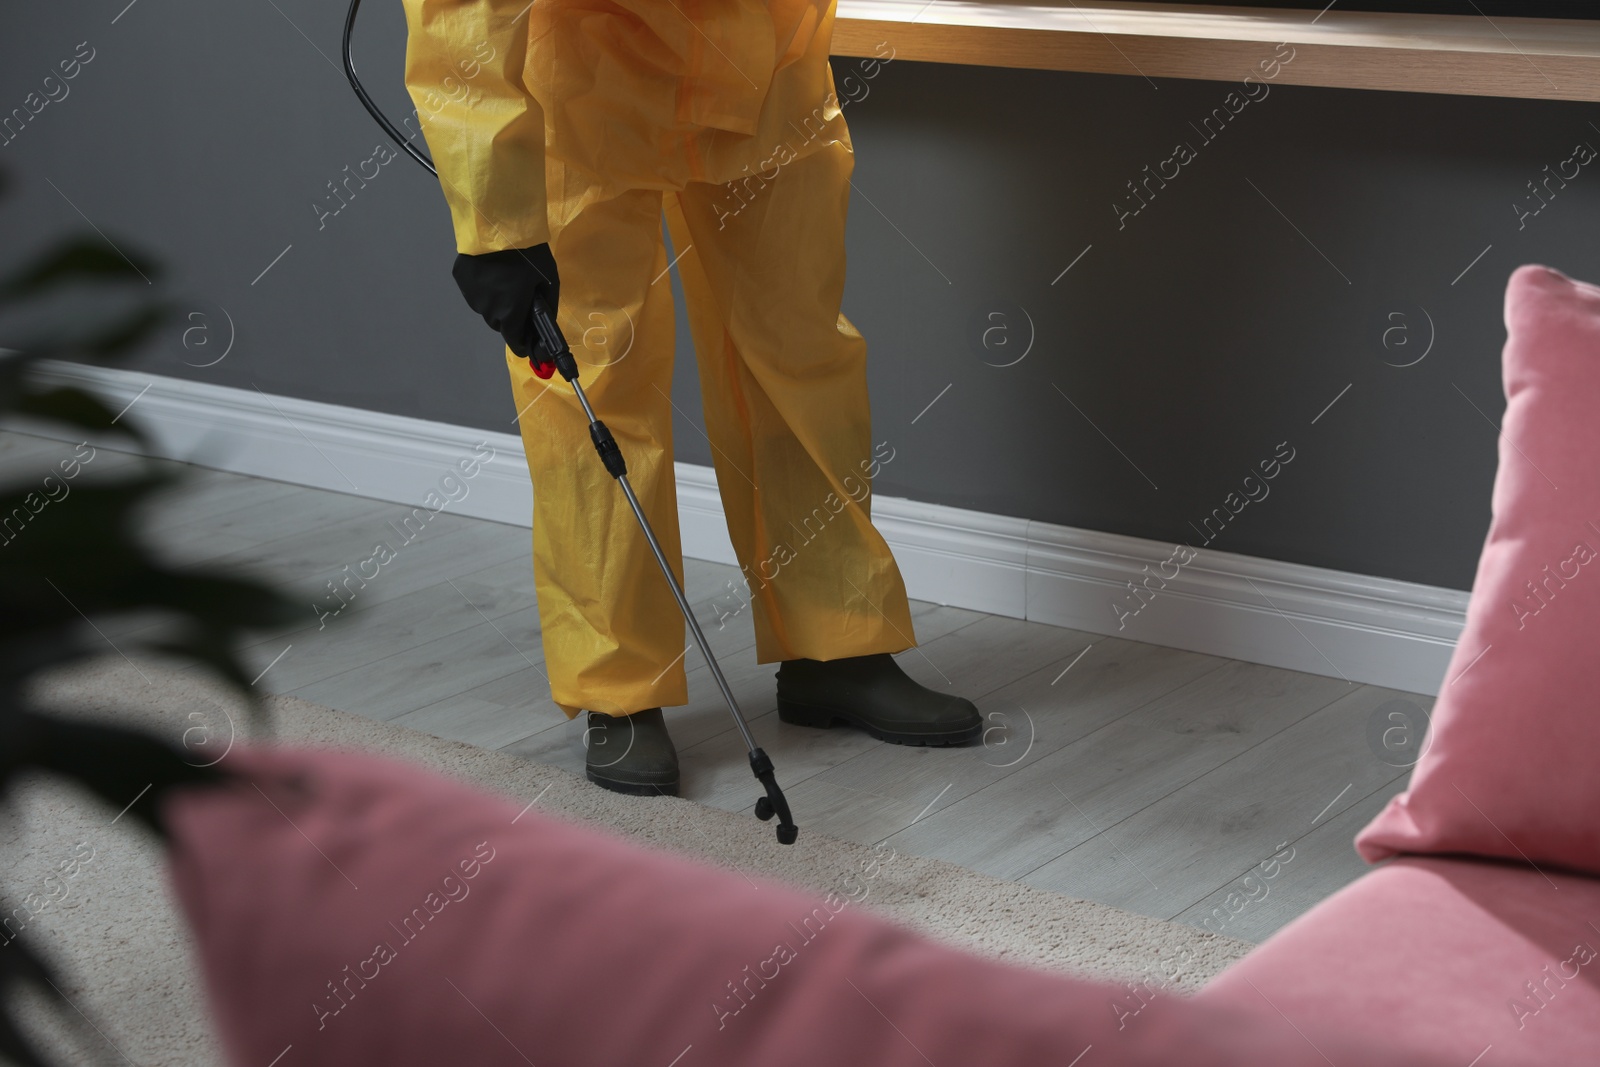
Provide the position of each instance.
(72, 554)
(110, 337)
(76, 407)
(85, 259)
(77, 557)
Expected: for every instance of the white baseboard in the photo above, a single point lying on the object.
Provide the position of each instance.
(1365, 629)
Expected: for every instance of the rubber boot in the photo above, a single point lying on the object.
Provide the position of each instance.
(631, 754)
(873, 693)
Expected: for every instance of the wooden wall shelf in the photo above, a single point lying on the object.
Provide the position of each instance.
(1551, 59)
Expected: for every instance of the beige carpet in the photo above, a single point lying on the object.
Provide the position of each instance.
(124, 954)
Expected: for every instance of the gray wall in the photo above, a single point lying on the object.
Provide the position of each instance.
(1213, 325)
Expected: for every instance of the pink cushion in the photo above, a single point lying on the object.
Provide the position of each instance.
(351, 910)
(1444, 956)
(1510, 768)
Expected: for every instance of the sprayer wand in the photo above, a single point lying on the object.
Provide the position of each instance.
(555, 346)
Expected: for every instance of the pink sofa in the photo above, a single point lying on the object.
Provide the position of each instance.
(352, 910)
(1483, 941)
(1476, 961)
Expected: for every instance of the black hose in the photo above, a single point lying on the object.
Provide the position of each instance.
(366, 101)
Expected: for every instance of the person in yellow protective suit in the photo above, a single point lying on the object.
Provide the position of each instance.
(563, 131)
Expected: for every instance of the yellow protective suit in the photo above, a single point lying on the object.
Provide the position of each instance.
(720, 114)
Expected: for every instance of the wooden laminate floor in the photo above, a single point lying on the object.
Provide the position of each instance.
(1173, 784)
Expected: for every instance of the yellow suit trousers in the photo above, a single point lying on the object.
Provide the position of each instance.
(722, 116)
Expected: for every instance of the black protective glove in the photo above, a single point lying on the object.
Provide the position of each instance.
(501, 287)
